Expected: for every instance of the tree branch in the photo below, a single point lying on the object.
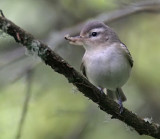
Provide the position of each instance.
(59, 65)
(57, 39)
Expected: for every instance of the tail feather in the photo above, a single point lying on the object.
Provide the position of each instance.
(114, 94)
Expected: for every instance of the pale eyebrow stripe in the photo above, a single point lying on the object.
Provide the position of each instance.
(97, 30)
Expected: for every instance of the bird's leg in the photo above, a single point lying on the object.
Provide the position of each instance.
(120, 101)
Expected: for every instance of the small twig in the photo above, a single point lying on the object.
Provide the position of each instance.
(89, 90)
(57, 38)
(26, 103)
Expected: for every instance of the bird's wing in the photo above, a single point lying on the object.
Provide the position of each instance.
(83, 69)
(128, 55)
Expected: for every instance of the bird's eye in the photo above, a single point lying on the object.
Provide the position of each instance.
(94, 34)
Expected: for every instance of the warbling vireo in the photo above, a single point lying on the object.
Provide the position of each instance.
(107, 62)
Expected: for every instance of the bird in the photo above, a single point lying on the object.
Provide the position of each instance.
(107, 62)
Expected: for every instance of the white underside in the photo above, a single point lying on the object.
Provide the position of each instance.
(107, 68)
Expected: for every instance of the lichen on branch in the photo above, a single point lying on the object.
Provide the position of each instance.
(89, 90)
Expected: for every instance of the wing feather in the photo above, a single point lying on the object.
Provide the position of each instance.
(128, 55)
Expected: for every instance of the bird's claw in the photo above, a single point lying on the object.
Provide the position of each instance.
(101, 90)
(120, 105)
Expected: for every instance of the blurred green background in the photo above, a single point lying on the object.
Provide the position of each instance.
(55, 109)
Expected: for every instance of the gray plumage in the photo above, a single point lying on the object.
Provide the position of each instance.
(107, 62)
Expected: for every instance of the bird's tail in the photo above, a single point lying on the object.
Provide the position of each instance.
(116, 94)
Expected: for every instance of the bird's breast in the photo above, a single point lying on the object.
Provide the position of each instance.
(108, 68)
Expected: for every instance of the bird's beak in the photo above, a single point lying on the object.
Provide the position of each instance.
(77, 40)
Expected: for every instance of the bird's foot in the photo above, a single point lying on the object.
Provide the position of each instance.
(120, 105)
(101, 90)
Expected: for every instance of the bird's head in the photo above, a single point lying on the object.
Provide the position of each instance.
(94, 34)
